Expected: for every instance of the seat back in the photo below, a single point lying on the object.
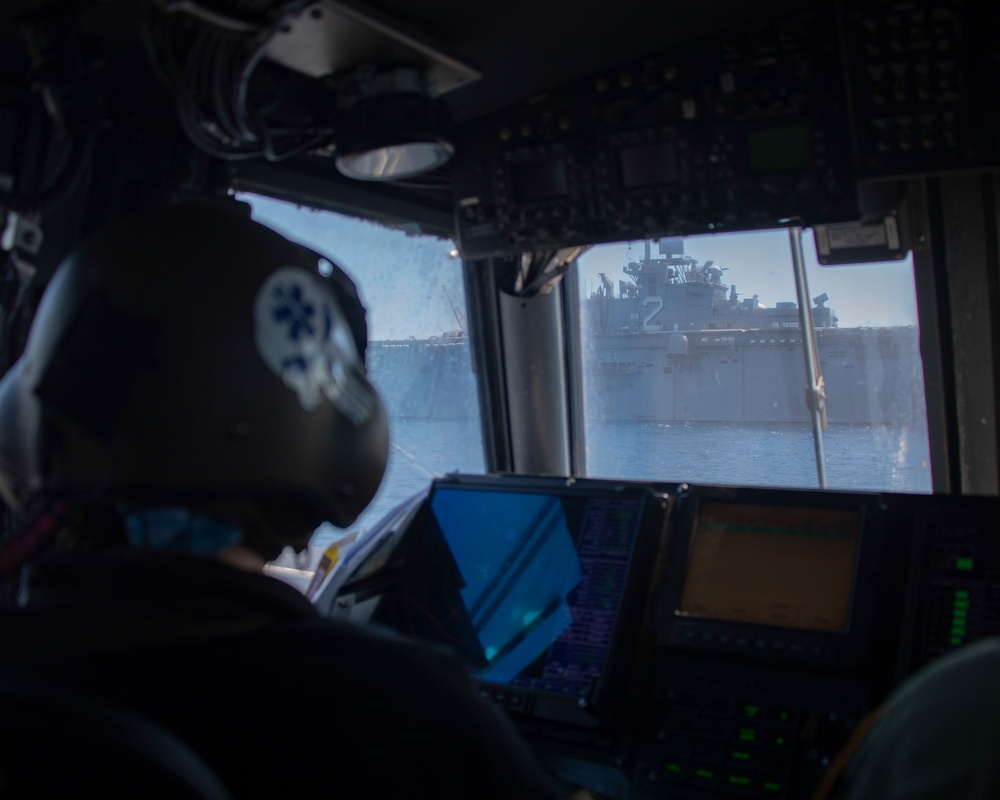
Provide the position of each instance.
(57, 742)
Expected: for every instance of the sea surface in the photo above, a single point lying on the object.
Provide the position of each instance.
(856, 458)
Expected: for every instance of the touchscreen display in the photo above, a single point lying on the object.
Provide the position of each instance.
(527, 585)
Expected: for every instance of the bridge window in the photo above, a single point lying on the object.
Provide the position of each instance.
(747, 422)
(418, 352)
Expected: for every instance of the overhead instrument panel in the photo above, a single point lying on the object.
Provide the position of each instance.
(916, 73)
(739, 132)
(760, 127)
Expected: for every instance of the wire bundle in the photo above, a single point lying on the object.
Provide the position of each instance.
(229, 103)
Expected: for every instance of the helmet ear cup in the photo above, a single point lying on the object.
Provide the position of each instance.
(145, 376)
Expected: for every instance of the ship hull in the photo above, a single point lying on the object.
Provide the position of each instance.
(424, 378)
(872, 376)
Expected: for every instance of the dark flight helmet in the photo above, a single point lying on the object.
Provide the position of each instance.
(191, 356)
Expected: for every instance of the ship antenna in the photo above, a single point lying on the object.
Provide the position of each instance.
(459, 317)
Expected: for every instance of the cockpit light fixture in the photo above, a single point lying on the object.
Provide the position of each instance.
(392, 124)
(390, 128)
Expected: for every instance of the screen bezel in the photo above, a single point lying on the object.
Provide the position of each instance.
(600, 711)
(676, 631)
(857, 523)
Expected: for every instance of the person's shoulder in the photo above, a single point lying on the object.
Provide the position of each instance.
(380, 644)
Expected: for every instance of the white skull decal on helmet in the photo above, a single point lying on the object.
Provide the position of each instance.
(304, 339)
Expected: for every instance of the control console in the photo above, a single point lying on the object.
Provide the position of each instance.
(669, 641)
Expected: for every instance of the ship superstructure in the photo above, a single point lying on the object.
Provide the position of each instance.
(675, 343)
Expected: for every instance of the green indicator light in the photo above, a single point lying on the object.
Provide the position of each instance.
(739, 755)
(739, 780)
(958, 631)
(783, 716)
(960, 613)
(747, 734)
(779, 740)
(704, 773)
(772, 786)
(956, 640)
(963, 563)
(962, 594)
(673, 767)
(751, 711)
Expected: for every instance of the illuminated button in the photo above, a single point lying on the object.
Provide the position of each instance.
(783, 716)
(705, 776)
(750, 711)
(741, 756)
(771, 787)
(962, 594)
(738, 783)
(746, 734)
(673, 771)
(779, 739)
(964, 564)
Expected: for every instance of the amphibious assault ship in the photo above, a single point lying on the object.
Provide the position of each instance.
(674, 343)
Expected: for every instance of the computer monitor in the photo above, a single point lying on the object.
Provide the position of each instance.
(528, 579)
(786, 566)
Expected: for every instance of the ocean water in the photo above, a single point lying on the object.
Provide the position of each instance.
(857, 458)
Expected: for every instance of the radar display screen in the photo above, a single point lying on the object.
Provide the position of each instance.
(788, 566)
(527, 585)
